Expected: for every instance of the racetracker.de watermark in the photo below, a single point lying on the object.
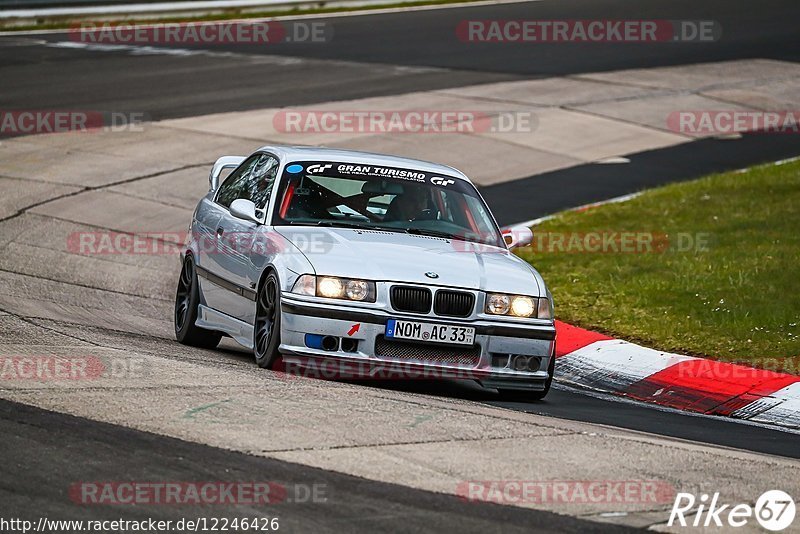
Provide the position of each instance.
(202, 33)
(619, 242)
(105, 243)
(599, 242)
(588, 31)
(413, 369)
(759, 369)
(566, 491)
(159, 493)
(726, 122)
(50, 368)
(425, 121)
(29, 122)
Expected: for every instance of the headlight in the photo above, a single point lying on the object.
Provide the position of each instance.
(523, 306)
(330, 287)
(517, 306)
(333, 287)
(356, 289)
(498, 304)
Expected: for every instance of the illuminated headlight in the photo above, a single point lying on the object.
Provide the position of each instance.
(517, 306)
(330, 287)
(523, 306)
(333, 287)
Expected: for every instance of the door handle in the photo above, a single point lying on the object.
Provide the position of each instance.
(220, 231)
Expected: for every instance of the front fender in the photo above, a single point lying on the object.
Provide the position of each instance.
(276, 252)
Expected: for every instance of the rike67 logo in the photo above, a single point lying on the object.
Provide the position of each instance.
(774, 510)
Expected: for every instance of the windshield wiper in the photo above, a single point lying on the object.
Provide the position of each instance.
(433, 233)
(349, 224)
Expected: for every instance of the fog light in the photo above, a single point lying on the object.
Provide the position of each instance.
(501, 360)
(520, 363)
(349, 345)
(330, 343)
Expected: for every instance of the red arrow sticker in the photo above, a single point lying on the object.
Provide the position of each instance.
(354, 329)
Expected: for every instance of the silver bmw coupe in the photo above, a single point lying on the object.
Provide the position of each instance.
(363, 261)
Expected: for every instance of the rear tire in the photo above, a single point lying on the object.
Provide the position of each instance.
(267, 331)
(187, 299)
(516, 395)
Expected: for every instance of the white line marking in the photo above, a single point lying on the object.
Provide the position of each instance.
(787, 160)
(613, 160)
(356, 13)
(140, 50)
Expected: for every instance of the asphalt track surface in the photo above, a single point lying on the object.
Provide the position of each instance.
(567, 403)
(59, 449)
(377, 54)
(542, 194)
(43, 452)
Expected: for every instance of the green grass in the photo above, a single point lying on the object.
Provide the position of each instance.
(738, 298)
(61, 23)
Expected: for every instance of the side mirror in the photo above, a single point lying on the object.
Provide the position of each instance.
(241, 208)
(517, 236)
(225, 162)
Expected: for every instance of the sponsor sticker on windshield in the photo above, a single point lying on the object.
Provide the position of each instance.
(380, 172)
(359, 170)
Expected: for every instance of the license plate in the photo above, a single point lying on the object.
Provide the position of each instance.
(429, 332)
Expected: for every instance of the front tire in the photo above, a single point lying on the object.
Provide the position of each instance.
(267, 331)
(187, 298)
(516, 395)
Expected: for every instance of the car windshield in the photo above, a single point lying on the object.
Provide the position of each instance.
(384, 198)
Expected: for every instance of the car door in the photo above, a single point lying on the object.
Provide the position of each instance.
(236, 237)
(214, 280)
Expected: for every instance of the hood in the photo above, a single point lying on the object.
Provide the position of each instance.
(399, 257)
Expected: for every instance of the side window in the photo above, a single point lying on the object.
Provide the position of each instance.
(483, 222)
(252, 181)
(261, 180)
(235, 185)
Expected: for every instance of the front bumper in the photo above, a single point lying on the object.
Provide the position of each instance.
(488, 361)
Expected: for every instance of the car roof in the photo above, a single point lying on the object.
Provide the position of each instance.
(304, 153)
